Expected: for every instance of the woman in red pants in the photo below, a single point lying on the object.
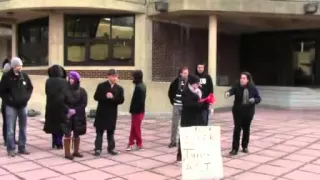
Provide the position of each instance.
(137, 109)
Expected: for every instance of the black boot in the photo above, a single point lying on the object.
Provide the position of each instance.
(54, 146)
(179, 158)
(171, 145)
(233, 152)
(245, 150)
(113, 152)
(54, 142)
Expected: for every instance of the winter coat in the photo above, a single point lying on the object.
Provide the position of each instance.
(191, 109)
(107, 110)
(244, 109)
(57, 93)
(175, 88)
(78, 122)
(138, 99)
(15, 90)
(206, 85)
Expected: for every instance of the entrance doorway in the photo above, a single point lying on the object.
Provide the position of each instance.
(287, 58)
(304, 62)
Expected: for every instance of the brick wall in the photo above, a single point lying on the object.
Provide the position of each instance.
(123, 74)
(174, 46)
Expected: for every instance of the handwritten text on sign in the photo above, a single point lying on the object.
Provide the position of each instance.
(201, 153)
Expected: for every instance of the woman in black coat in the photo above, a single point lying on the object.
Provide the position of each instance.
(77, 122)
(191, 106)
(56, 109)
(4, 124)
(243, 110)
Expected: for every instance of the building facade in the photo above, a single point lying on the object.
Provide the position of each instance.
(277, 41)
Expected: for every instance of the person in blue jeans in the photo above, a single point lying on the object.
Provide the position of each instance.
(206, 86)
(5, 68)
(15, 90)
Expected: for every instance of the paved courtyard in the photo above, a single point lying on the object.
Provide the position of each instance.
(285, 145)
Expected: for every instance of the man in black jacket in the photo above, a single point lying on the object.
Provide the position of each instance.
(109, 96)
(206, 88)
(175, 93)
(15, 90)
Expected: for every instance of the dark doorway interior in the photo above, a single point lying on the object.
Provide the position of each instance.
(290, 58)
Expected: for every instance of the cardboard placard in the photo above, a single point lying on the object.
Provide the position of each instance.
(201, 153)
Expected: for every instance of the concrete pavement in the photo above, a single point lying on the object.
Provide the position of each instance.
(285, 145)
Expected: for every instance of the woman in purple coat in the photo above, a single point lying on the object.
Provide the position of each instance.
(76, 122)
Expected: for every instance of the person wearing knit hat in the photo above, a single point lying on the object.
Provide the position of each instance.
(191, 107)
(16, 90)
(16, 64)
(76, 125)
(108, 95)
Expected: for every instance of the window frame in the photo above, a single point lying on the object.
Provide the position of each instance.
(110, 61)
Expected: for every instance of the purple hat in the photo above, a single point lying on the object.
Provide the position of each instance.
(74, 75)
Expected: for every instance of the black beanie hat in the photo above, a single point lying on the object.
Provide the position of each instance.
(193, 79)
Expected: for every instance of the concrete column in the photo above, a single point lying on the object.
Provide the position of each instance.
(56, 39)
(3, 48)
(14, 40)
(143, 45)
(212, 54)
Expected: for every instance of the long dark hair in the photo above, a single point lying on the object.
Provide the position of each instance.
(249, 77)
(5, 62)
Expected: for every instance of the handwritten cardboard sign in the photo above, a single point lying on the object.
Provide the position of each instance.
(201, 153)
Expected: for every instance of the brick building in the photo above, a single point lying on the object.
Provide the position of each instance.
(277, 41)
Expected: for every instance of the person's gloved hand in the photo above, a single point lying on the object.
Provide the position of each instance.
(71, 112)
(252, 100)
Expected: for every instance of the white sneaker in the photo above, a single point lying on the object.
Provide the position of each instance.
(130, 148)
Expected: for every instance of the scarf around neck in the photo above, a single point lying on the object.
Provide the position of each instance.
(245, 96)
(195, 91)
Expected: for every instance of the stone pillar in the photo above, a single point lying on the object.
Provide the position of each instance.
(14, 40)
(56, 39)
(212, 54)
(143, 45)
(3, 48)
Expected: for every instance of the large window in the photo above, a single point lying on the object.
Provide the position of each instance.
(33, 42)
(99, 40)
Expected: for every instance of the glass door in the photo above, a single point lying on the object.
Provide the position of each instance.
(304, 58)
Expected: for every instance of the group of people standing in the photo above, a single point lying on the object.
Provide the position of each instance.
(65, 112)
(66, 101)
(190, 93)
(66, 117)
